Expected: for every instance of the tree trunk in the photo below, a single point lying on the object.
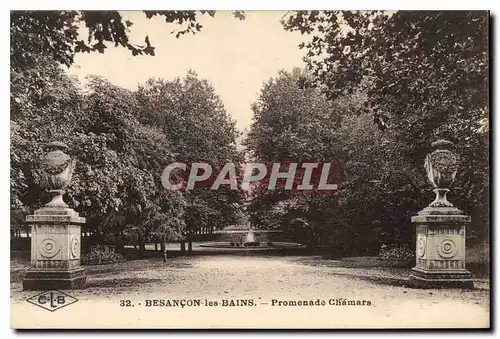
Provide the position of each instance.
(142, 249)
(163, 246)
(183, 247)
(119, 245)
(142, 246)
(190, 246)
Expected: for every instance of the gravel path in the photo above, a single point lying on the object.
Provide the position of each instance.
(264, 280)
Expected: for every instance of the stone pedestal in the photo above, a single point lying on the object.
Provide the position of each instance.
(440, 227)
(440, 249)
(55, 250)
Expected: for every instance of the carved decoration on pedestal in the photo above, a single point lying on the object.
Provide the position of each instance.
(75, 247)
(421, 243)
(49, 248)
(447, 248)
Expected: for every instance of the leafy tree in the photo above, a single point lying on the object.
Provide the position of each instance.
(297, 124)
(124, 138)
(138, 154)
(291, 122)
(400, 58)
(425, 75)
(116, 184)
(379, 189)
(190, 113)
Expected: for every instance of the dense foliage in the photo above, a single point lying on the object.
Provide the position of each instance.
(425, 76)
(122, 140)
(299, 124)
(380, 188)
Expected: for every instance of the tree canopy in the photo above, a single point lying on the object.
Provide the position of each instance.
(381, 187)
(122, 139)
(423, 72)
(425, 76)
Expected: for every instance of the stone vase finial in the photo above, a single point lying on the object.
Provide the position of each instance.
(441, 166)
(58, 168)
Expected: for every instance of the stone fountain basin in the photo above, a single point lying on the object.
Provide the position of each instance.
(261, 246)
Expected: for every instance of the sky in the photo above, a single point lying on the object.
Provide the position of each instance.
(237, 57)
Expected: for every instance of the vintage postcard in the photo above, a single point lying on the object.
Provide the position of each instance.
(249, 169)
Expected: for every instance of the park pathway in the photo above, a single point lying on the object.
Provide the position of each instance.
(265, 281)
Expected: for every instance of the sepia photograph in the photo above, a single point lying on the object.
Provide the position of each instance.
(244, 169)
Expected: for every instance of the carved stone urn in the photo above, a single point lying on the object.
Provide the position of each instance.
(440, 227)
(441, 166)
(55, 230)
(58, 168)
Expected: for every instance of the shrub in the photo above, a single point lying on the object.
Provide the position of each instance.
(396, 252)
(101, 254)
